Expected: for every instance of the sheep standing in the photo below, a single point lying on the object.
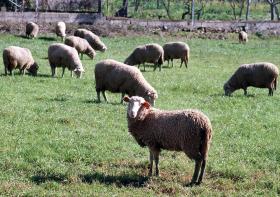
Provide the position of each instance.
(19, 58)
(260, 75)
(81, 45)
(92, 39)
(176, 50)
(189, 131)
(120, 78)
(151, 53)
(61, 55)
(243, 37)
(60, 29)
(32, 30)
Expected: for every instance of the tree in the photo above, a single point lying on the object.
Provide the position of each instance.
(248, 9)
(235, 5)
(273, 9)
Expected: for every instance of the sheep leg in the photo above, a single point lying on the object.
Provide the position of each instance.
(104, 96)
(144, 66)
(196, 171)
(53, 71)
(122, 95)
(245, 91)
(201, 172)
(151, 163)
(63, 70)
(156, 157)
(98, 96)
(186, 63)
(81, 56)
(167, 63)
(270, 92)
(71, 73)
(181, 63)
(6, 71)
(172, 62)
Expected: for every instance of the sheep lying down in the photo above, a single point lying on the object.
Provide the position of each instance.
(189, 131)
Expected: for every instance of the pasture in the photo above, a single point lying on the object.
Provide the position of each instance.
(56, 140)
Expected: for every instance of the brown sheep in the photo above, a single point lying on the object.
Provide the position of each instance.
(121, 78)
(176, 50)
(19, 58)
(150, 53)
(189, 131)
(260, 75)
(32, 30)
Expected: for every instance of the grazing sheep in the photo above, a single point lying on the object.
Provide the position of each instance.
(176, 50)
(243, 37)
(120, 78)
(60, 29)
(260, 75)
(151, 53)
(61, 55)
(19, 58)
(32, 30)
(189, 131)
(81, 45)
(92, 39)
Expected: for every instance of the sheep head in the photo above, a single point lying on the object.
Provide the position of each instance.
(135, 105)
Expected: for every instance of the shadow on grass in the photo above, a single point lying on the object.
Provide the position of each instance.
(39, 179)
(44, 75)
(21, 36)
(126, 180)
(47, 38)
(95, 101)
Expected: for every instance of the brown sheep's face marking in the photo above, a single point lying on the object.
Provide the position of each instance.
(134, 105)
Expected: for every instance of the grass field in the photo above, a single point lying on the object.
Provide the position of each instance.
(55, 140)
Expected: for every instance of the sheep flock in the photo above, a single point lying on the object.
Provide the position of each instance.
(186, 130)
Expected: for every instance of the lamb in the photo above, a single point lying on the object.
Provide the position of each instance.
(32, 30)
(177, 50)
(151, 53)
(61, 55)
(81, 45)
(260, 75)
(19, 58)
(121, 78)
(243, 37)
(189, 131)
(92, 39)
(60, 29)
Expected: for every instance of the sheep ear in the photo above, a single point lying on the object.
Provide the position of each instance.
(126, 99)
(146, 105)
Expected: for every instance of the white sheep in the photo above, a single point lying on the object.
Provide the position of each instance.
(121, 78)
(61, 55)
(81, 45)
(60, 29)
(19, 58)
(176, 50)
(92, 39)
(32, 30)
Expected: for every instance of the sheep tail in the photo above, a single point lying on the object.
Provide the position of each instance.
(275, 83)
(205, 142)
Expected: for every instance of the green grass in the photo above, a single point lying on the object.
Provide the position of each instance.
(55, 140)
(213, 10)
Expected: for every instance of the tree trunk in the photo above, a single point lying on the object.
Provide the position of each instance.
(248, 9)
(137, 3)
(99, 6)
(192, 13)
(272, 12)
(158, 4)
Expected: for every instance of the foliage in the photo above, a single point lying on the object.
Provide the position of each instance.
(56, 141)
